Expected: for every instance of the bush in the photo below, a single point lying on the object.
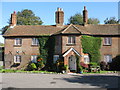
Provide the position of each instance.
(94, 64)
(8, 71)
(103, 65)
(32, 66)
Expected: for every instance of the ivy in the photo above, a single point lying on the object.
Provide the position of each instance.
(91, 45)
(46, 48)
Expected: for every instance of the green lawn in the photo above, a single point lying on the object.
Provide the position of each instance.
(101, 72)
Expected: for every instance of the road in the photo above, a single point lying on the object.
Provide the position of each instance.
(25, 80)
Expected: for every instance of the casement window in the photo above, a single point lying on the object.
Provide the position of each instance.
(108, 58)
(71, 40)
(18, 41)
(86, 59)
(17, 59)
(107, 41)
(55, 58)
(34, 41)
(34, 58)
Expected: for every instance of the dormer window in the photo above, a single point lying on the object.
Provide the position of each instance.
(18, 41)
(34, 41)
(71, 40)
(107, 41)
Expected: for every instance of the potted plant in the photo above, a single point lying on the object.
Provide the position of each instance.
(65, 69)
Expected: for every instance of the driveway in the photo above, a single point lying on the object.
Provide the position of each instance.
(25, 80)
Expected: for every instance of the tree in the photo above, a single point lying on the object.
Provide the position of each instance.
(27, 17)
(93, 21)
(4, 29)
(78, 19)
(1, 44)
(111, 20)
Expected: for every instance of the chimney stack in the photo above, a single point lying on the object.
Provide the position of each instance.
(13, 19)
(59, 17)
(85, 16)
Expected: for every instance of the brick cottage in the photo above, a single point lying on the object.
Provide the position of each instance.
(21, 44)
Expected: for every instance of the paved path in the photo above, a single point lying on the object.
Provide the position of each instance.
(24, 80)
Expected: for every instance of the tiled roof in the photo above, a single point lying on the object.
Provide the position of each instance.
(106, 29)
(36, 30)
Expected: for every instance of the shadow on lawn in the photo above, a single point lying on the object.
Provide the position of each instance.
(101, 81)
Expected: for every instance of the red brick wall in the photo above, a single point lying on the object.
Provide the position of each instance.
(25, 50)
(112, 50)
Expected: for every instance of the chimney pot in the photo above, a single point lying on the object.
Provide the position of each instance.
(85, 16)
(59, 17)
(13, 19)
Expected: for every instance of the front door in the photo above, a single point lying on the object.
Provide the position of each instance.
(72, 62)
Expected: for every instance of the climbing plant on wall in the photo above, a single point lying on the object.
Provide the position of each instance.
(46, 48)
(91, 45)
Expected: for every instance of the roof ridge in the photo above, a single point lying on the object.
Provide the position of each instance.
(101, 24)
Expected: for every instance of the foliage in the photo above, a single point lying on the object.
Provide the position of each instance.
(111, 20)
(27, 17)
(4, 29)
(60, 65)
(115, 64)
(32, 66)
(78, 19)
(91, 45)
(65, 67)
(93, 21)
(1, 44)
(22, 71)
(40, 63)
(94, 64)
(46, 49)
(103, 65)
(8, 71)
(79, 67)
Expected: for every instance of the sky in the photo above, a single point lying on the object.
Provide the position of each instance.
(46, 10)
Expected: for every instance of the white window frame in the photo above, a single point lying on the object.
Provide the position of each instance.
(86, 59)
(71, 39)
(17, 59)
(18, 41)
(34, 58)
(107, 41)
(34, 41)
(108, 58)
(55, 58)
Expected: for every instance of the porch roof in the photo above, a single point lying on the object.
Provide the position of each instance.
(71, 49)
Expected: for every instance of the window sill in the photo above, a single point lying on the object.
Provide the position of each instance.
(70, 44)
(16, 62)
(17, 45)
(107, 45)
(34, 45)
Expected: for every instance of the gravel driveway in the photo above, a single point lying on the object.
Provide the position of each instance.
(25, 80)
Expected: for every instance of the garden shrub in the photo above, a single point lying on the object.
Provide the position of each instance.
(32, 66)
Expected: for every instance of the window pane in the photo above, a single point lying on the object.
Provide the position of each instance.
(18, 41)
(34, 58)
(17, 59)
(107, 41)
(34, 41)
(55, 58)
(71, 39)
(108, 58)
